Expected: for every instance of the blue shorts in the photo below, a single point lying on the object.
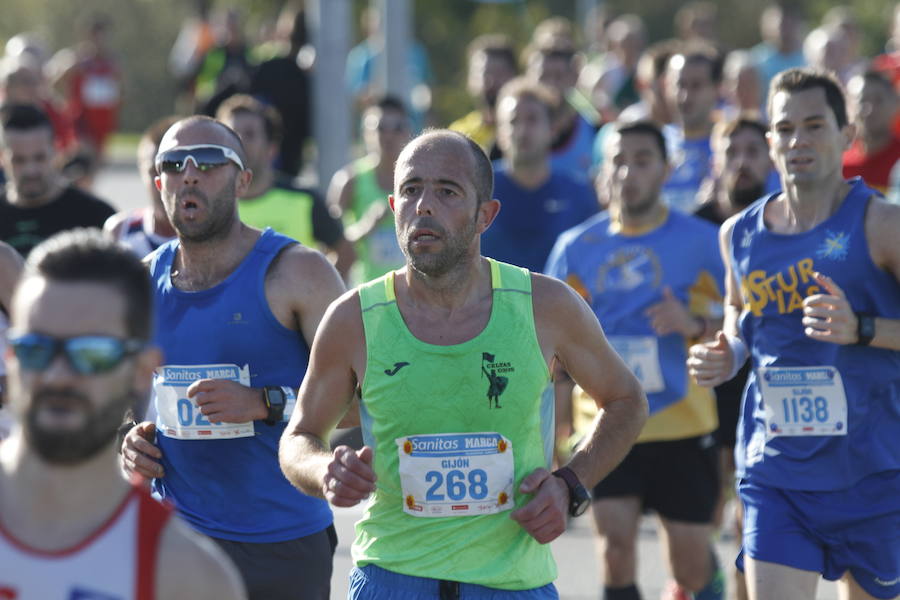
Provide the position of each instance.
(856, 530)
(374, 583)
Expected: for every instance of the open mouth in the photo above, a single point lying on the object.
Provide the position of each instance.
(800, 161)
(424, 235)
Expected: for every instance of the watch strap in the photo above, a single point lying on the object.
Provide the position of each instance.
(865, 329)
(275, 400)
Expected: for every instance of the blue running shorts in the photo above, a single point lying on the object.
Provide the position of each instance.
(855, 529)
(374, 583)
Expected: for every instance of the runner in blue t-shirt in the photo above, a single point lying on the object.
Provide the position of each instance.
(539, 200)
(813, 297)
(692, 80)
(653, 278)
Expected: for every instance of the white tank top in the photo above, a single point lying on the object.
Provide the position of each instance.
(116, 562)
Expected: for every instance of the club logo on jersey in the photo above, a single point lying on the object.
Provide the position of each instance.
(628, 268)
(397, 367)
(835, 246)
(493, 370)
(785, 288)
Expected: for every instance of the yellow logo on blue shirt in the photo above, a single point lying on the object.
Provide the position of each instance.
(835, 245)
(784, 288)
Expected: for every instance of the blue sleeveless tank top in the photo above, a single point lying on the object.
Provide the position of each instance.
(226, 485)
(775, 274)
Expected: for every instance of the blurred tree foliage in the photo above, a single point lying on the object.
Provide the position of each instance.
(144, 31)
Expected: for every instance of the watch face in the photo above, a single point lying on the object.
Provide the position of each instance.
(580, 502)
(275, 396)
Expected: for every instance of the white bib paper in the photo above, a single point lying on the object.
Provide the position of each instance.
(803, 401)
(456, 474)
(179, 416)
(641, 354)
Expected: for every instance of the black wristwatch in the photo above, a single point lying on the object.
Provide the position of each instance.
(275, 401)
(579, 498)
(865, 329)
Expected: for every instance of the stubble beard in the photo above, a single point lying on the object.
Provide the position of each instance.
(217, 224)
(456, 250)
(76, 446)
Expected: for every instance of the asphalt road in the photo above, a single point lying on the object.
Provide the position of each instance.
(579, 573)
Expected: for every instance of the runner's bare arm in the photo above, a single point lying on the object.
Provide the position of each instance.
(568, 329)
(829, 317)
(193, 566)
(299, 287)
(712, 363)
(337, 359)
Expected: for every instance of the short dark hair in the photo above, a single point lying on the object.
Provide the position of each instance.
(23, 117)
(701, 52)
(653, 61)
(729, 127)
(876, 76)
(523, 87)
(645, 127)
(87, 255)
(800, 79)
(246, 104)
(494, 45)
(389, 102)
(153, 135)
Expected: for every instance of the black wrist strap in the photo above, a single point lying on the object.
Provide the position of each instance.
(865, 329)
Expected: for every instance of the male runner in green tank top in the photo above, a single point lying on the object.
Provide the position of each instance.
(456, 458)
(359, 192)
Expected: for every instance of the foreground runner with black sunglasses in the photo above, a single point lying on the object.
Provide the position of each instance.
(70, 526)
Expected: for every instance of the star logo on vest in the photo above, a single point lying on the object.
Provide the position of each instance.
(397, 367)
(834, 246)
(492, 369)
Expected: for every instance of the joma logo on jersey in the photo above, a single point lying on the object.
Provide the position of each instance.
(786, 288)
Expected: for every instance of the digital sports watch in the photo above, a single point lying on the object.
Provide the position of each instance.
(275, 401)
(579, 498)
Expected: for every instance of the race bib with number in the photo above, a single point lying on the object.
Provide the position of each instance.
(803, 401)
(641, 354)
(456, 474)
(179, 416)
